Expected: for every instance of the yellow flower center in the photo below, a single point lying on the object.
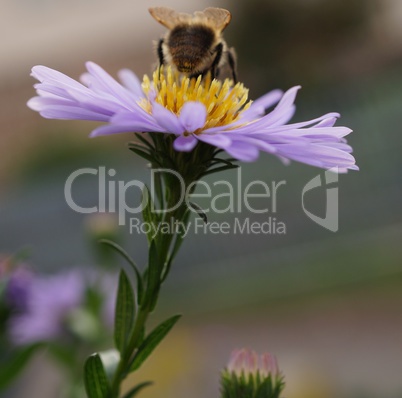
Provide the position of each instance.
(224, 101)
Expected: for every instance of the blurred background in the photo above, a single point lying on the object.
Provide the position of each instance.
(327, 304)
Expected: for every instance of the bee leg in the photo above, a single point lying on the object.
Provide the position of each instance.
(232, 63)
(214, 67)
(161, 58)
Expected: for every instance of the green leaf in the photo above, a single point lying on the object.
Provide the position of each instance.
(152, 341)
(126, 256)
(124, 312)
(96, 383)
(15, 364)
(134, 391)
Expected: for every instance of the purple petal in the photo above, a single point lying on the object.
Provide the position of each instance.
(125, 122)
(40, 103)
(314, 133)
(316, 154)
(63, 87)
(193, 116)
(131, 81)
(243, 151)
(325, 119)
(110, 129)
(138, 120)
(72, 113)
(328, 122)
(218, 140)
(261, 144)
(340, 145)
(109, 85)
(97, 103)
(285, 117)
(185, 143)
(168, 121)
(260, 105)
(281, 113)
(288, 98)
(283, 108)
(51, 91)
(45, 74)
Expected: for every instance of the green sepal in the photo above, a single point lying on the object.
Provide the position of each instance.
(265, 389)
(228, 162)
(15, 364)
(140, 137)
(199, 211)
(95, 379)
(126, 256)
(141, 151)
(152, 341)
(135, 390)
(124, 312)
(219, 169)
(251, 385)
(279, 385)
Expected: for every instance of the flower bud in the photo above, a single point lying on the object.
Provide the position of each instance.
(249, 375)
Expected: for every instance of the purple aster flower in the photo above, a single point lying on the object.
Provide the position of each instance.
(56, 306)
(51, 299)
(194, 110)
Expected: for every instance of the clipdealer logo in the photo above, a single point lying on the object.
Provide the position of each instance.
(331, 219)
(232, 197)
(241, 226)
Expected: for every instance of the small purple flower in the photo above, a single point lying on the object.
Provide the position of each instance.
(51, 299)
(214, 112)
(57, 306)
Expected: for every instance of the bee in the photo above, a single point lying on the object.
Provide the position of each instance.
(194, 43)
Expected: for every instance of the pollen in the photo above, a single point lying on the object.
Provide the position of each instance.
(223, 100)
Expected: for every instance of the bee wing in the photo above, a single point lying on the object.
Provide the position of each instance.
(218, 17)
(169, 17)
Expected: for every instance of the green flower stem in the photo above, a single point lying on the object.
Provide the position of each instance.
(163, 243)
(158, 149)
(126, 358)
